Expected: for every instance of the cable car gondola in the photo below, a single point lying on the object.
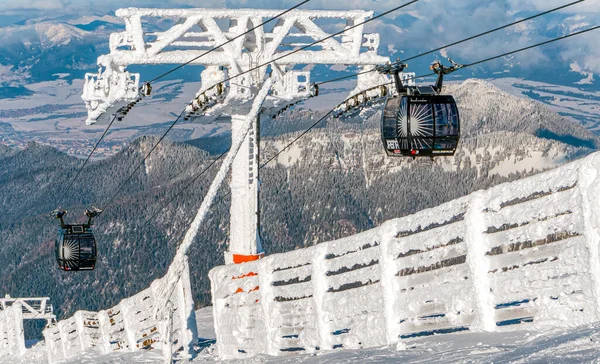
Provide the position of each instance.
(76, 244)
(420, 122)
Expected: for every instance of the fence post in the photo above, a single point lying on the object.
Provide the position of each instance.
(265, 276)
(126, 311)
(185, 313)
(3, 332)
(80, 331)
(388, 283)
(588, 184)
(479, 263)
(18, 337)
(47, 340)
(320, 287)
(104, 323)
(167, 328)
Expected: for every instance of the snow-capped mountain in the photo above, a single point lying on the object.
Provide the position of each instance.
(37, 41)
(46, 35)
(38, 50)
(491, 109)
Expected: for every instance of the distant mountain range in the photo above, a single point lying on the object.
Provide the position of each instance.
(37, 49)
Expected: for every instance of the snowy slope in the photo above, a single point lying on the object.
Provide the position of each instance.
(568, 346)
(45, 35)
(559, 346)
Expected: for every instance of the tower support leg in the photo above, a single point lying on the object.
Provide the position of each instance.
(245, 242)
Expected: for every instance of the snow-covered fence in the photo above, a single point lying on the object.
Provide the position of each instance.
(129, 326)
(520, 255)
(12, 338)
(68, 338)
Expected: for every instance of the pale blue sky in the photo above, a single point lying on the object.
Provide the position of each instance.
(19, 7)
(438, 21)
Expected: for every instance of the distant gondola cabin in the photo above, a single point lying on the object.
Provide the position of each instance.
(75, 248)
(76, 245)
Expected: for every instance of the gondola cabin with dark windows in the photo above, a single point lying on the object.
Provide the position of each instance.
(76, 244)
(420, 122)
(420, 126)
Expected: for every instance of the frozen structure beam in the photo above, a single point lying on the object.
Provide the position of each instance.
(35, 308)
(12, 338)
(198, 30)
(130, 326)
(12, 313)
(176, 268)
(194, 32)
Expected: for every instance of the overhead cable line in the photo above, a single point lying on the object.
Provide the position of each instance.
(250, 70)
(493, 30)
(180, 66)
(84, 163)
(533, 46)
(432, 74)
(122, 185)
(227, 42)
(299, 136)
(344, 77)
(186, 186)
(332, 110)
(194, 59)
(219, 157)
(461, 41)
(319, 41)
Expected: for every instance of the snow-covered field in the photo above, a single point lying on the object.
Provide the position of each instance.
(580, 345)
(583, 106)
(56, 114)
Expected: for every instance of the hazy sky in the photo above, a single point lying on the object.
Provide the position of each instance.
(20, 7)
(438, 21)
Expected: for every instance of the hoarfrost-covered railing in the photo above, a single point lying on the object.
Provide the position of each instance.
(129, 326)
(522, 255)
(12, 338)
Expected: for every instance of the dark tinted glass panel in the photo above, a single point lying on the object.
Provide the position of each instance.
(58, 246)
(441, 119)
(453, 113)
(390, 113)
(446, 120)
(87, 248)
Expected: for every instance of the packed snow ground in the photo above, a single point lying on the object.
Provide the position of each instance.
(580, 345)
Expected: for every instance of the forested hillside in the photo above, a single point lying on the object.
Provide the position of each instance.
(334, 182)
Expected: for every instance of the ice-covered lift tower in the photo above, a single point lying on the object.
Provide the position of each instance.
(194, 32)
